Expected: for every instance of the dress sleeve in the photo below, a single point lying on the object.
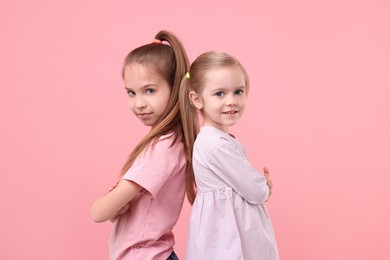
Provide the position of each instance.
(155, 166)
(234, 169)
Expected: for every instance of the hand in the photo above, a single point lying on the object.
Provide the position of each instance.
(111, 203)
(269, 182)
(123, 210)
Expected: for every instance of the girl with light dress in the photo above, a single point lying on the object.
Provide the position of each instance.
(229, 219)
(146, 202)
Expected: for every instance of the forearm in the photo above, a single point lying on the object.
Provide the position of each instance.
(103, 210)
(257, 192)
(107, 206)
(122, 211)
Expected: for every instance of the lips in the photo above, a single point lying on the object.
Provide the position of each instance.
(231, 112)
(143, 115)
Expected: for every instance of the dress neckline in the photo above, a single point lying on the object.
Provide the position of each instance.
(219, 131)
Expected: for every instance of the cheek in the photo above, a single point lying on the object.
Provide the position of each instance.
(167, 96)
(162, 103)
(243, 104)
(131, 103)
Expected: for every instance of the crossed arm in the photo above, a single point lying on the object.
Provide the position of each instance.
(115, 202)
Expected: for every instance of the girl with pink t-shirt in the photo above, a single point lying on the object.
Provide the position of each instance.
(146, 202)
(229, 219)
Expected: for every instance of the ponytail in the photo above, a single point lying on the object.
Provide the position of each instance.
(191, 128)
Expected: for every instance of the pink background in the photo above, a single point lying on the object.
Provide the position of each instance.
(318, 117)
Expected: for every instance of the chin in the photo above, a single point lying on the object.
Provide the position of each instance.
(147, 123)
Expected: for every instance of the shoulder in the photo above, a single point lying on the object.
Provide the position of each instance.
(160, 153)
(167, 145)
(212, 141)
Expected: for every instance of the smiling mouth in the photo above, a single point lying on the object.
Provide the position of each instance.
(230, 112)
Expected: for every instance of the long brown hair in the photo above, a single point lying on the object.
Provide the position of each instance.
(195, 81)
(170, 62)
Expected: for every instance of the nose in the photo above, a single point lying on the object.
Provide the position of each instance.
(231, 100)
(140, 102)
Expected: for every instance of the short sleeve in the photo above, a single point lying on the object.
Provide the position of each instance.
(155, 166)
(230, 164)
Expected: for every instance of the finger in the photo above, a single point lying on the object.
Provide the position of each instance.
(266, 171)
(269, 194)
(270, 186)
(124, 209)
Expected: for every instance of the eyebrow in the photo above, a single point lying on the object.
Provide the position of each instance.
(222, 89)
(144, 87)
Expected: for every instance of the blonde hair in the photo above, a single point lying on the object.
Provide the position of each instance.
(195, 81)
(170, 62)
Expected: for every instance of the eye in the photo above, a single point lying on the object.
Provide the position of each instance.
(219, 94)
(150, 91)
(239, 92)
(130, 93)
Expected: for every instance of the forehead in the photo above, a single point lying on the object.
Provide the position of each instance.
(137, 70)
(135, 74)
(225, 77)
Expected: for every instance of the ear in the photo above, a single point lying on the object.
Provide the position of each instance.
(196, 100)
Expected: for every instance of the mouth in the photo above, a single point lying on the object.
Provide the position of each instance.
(141, 115)
(230, 112)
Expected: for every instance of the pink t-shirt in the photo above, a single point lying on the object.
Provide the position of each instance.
(145, 232)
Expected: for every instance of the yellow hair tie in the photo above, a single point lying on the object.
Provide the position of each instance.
(157, 41)
(188, 75)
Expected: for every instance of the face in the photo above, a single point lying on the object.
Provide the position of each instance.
(148, 93)
(223, 98)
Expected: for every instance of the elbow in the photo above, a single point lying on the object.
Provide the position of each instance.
(259, 197)
(264, 195)
(96, 219)
(96, 216)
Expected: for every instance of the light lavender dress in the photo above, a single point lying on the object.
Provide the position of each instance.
(229, 220)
